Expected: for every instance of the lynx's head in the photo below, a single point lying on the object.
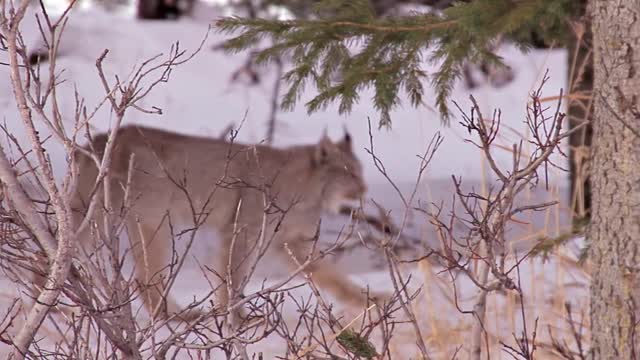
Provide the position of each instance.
(339, 172)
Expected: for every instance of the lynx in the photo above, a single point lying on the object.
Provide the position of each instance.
(240, 190)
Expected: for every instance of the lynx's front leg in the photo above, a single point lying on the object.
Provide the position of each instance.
(236, 260)
(327, 277)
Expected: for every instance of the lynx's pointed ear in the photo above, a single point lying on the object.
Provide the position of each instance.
(321, 151)
(345, 144)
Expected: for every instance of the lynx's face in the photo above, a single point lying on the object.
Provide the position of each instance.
(341, 173)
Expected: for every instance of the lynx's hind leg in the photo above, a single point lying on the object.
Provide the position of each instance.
(150, 246)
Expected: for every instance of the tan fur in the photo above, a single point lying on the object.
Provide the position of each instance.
(231, 183)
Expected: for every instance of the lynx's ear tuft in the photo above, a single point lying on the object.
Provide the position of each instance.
(322, 151)
(345, 144)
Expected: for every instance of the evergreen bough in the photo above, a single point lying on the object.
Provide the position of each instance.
(345, 48)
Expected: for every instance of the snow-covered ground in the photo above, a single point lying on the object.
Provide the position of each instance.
(200, 98)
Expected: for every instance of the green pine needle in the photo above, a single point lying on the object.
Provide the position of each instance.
(346, 49)
(356, 344)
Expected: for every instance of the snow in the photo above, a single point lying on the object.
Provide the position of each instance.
(201, 99)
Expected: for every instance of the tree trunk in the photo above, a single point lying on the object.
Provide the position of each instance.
(615, 223)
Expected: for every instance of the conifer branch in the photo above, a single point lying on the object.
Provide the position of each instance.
(390, 54)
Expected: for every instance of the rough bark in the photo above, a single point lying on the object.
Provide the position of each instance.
(615, 223)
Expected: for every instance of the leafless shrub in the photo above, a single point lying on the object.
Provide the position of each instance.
(481, 252)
